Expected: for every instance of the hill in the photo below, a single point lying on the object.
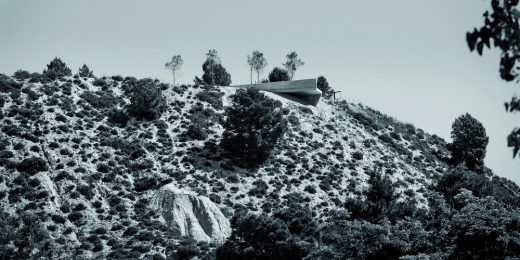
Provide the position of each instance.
(78, 173)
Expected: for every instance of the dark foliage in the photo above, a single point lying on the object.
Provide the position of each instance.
(32, 165)
(278, 74)
(485, 229)
(254, 123)
(261, 237)
(118, 117)
(380, 198)
(215, 74)
(100, 99)
(8, 85)
(212, 96)
(502, 29)
(469, 142)
(22, 75)
(200, 121)
(85, 72)
(146, 101)
(57, 69)
(451, 183)
(323, 85)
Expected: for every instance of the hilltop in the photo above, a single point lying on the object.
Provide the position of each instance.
(80, 177)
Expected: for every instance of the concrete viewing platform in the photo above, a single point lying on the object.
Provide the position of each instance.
(302, 91)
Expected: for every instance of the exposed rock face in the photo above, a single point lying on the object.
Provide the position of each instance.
(191, 215)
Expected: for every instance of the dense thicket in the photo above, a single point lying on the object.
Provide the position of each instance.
(458, 224)
(262, 237)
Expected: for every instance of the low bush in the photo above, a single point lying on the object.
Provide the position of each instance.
(101, 99)
(32, 165)
(357, 155)
(213, 97)
(118, 117)
(22, 75)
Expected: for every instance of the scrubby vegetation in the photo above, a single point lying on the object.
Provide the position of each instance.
(81, 158)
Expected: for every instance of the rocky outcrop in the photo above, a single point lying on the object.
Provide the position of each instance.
(191, 215)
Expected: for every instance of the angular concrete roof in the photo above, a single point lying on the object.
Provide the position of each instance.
(303, 91)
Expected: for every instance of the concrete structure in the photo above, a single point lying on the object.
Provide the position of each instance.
(303, 91)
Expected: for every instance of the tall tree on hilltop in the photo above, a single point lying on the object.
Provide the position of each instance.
(292, 63)
(174, 65)
(57, 69)
(501, 27)
(469, 142)
(257, 62)
(212, 61)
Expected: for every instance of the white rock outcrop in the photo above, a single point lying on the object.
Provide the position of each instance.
(191, 215)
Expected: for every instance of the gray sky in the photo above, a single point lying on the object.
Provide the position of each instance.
(406, 58)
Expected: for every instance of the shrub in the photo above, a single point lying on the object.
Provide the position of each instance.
(32, 165)
(278, 74)
(310, 189)
(99, 83)
(215, 72)
(118, 117)
(187, 249)
(469, 142)
(357, 155)
(451, 183)
(145, 184)
(22, 75)
(380, 198)
(57, 69)
(198, 127)
(75, 216)
(146, 102)
(85, 72)
(7, 84)
(261, 237)
(100, 99)
(214, 98)
(323, 85)
(253, 125)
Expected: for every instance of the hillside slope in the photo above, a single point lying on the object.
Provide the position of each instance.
(88, 196)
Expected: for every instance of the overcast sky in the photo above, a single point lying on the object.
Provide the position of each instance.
(406, 58)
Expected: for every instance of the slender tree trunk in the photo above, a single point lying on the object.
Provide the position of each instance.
(257, 76)
(251, 74)
(212, 76)
(173, 73)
